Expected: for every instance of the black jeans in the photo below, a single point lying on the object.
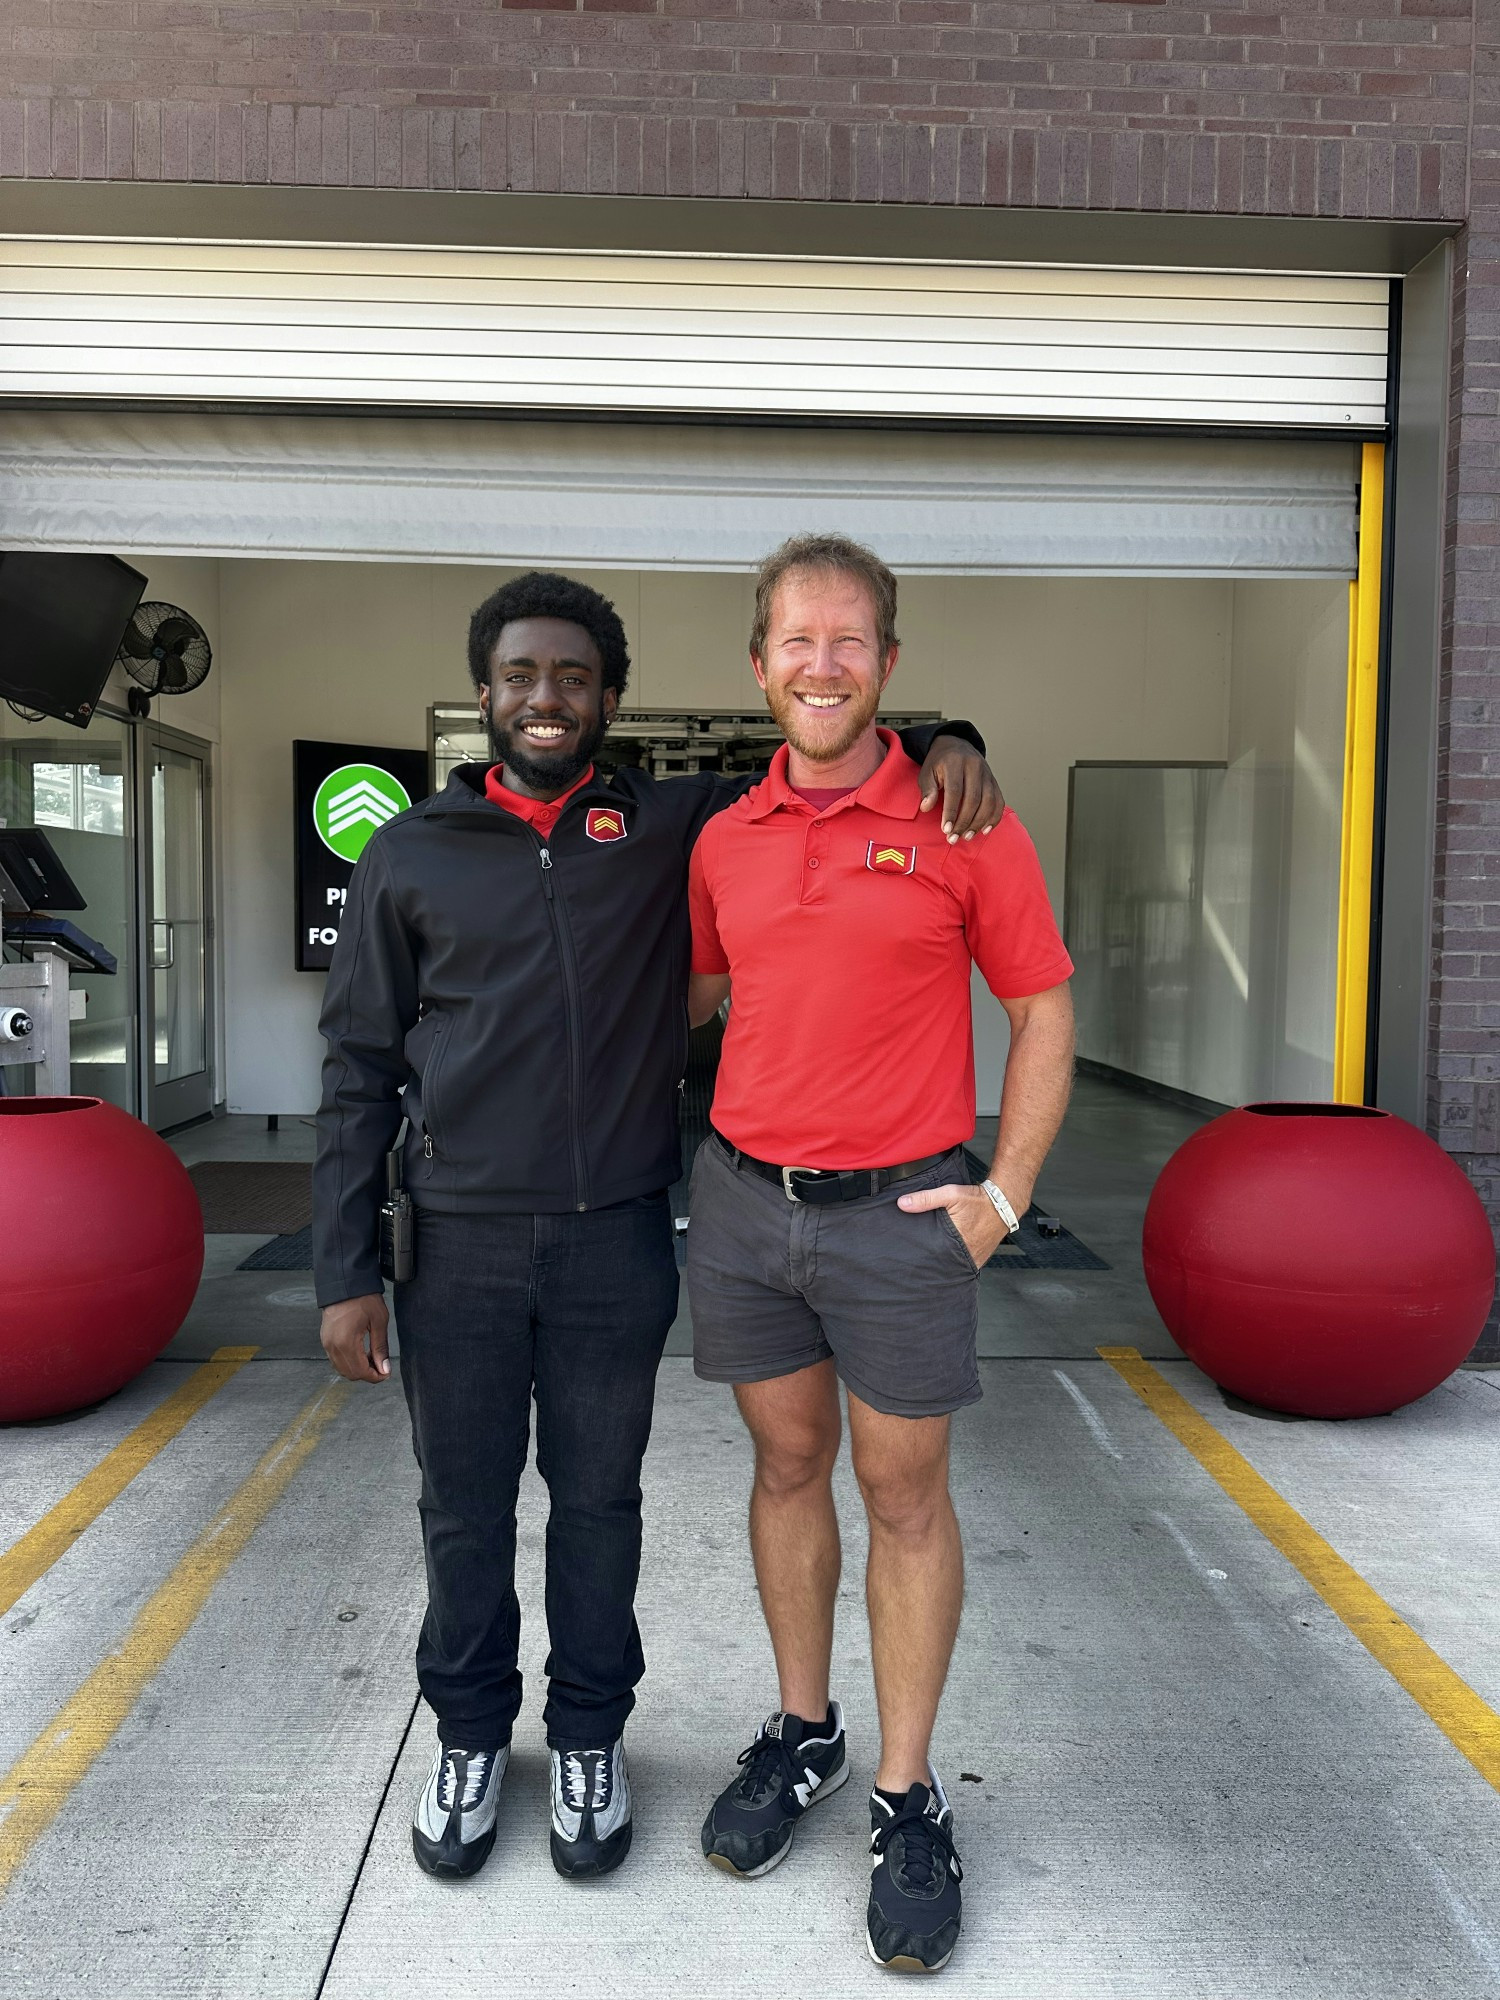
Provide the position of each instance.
(573, 1309)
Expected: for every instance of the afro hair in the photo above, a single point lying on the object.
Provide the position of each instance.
(541, 594)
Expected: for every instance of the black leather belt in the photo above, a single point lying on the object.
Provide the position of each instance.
(822, 1186)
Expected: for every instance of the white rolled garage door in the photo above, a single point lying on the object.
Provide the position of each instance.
(649, 496)
(386, 327)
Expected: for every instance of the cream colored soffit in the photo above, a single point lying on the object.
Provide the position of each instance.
(648, 496)
(498, 329)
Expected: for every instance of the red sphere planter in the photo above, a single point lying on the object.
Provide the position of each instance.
(1323, 1259)
(101, 1253)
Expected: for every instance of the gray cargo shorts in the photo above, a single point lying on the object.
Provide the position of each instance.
(778, 1285)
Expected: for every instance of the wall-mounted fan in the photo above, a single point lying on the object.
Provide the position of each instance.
(164, 651)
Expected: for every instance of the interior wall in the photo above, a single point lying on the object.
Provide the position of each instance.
(1287, 696)
(1204, 903)
(1056, 669)
(1050, 668)
(191, 583)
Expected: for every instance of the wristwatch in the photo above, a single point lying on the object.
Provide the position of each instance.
(1002, 1207)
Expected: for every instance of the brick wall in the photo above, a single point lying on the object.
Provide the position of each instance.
(1464, 1064)
(1298, 110)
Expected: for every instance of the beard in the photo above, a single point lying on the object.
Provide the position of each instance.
(544, 774)
(823, 737)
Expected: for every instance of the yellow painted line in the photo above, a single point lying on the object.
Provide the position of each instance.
(1357, 834)
(38, 1784)
(57, 1531)
(1469, 1723)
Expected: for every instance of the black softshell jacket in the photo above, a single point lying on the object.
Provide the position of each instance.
(523, 1002)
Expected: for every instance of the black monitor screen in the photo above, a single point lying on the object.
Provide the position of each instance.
(61, 622)
(32, 876)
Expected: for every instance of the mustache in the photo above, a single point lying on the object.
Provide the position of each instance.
(566, 762)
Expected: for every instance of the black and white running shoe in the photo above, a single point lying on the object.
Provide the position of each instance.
(915, 1905)
(453, 1828)
(590, 1810)
(790, 1766)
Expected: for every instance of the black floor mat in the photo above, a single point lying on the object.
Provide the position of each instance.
(292, 1252)
(1028, 1249)
(1063, 1252)
(245, 1197)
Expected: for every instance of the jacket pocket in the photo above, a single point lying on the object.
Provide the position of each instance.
(431, 1117)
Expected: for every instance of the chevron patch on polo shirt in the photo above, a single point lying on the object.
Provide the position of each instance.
(888, 860)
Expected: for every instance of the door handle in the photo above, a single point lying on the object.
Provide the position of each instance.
(163, 949)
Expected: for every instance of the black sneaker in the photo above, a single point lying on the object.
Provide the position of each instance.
(790, 1765)
(590, 1810)
(453, 1828)
(915, 1905)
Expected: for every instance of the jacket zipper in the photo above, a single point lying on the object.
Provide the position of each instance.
(439, 1045)
(563, 937)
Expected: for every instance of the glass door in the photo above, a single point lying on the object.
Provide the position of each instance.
(75, 784)
(176, 902)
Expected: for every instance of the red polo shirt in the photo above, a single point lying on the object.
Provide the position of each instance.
(543, 814)
(849, 934)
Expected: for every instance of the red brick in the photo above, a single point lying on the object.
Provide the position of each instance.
(758, 160)
(1395, 83)
(679, 156)
(92, 155)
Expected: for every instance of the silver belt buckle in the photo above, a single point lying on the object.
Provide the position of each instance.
(786, 1182)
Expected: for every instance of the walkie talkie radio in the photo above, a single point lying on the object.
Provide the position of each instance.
(398, 1249)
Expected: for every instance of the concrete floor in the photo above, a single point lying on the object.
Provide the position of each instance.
(1176, 1773)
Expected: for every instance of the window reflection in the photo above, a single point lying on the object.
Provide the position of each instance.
(81, 796)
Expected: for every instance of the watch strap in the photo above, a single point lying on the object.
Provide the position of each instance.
(1002, 1207)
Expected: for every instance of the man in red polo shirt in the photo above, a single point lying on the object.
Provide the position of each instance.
(835, 1234)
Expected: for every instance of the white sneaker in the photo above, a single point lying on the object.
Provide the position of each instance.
(591, 1821)
(453, 1828)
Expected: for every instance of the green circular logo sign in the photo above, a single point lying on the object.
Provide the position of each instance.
(352, 803)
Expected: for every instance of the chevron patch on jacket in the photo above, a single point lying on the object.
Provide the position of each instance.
(605, 823)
